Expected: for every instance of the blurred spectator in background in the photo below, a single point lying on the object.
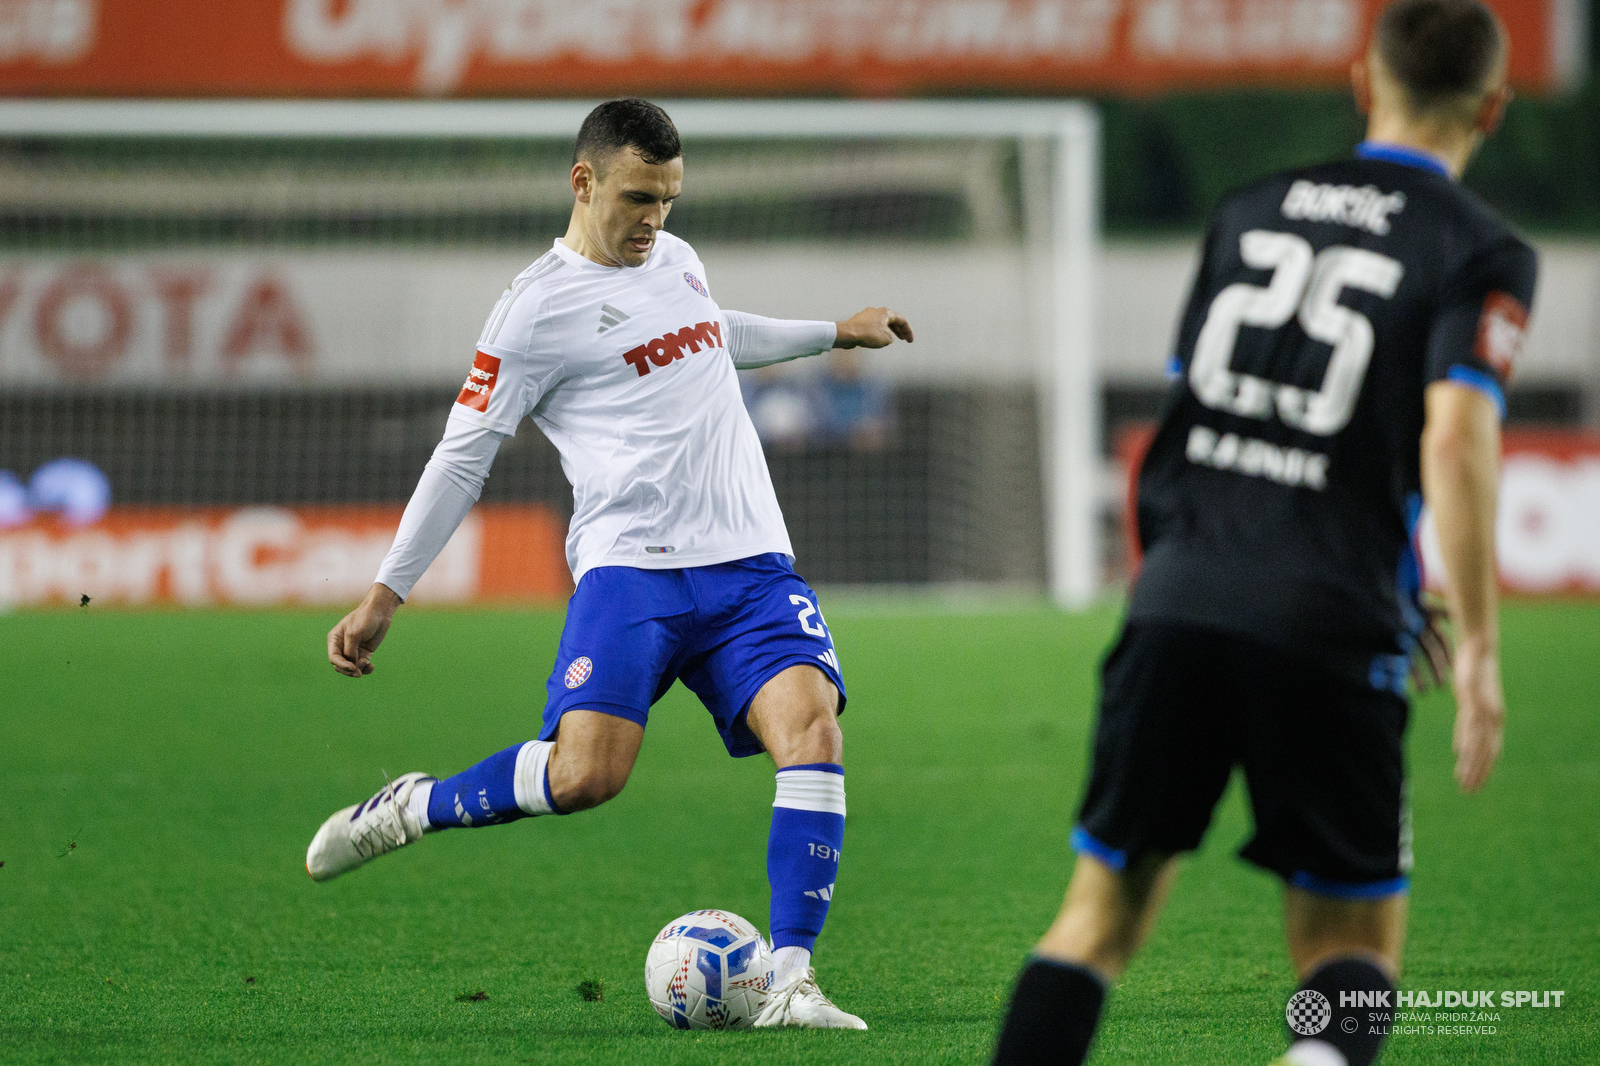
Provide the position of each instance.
(780, 407)
(852, 407)
(843, 406)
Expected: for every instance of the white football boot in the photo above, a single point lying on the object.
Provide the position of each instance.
(797, 1001)
(374, 827)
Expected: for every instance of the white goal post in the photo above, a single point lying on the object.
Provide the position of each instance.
(1060, 199)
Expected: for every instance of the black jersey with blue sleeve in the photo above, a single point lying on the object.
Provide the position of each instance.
(1280, 494)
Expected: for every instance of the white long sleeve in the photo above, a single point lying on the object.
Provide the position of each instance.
(754, 341)
(449, 486)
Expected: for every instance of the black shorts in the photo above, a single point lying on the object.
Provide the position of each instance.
(1181, 706)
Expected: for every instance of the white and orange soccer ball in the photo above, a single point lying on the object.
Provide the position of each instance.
(708, 970)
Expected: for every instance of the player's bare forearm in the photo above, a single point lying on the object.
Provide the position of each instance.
(1460, 478)
(358, 634)
(874, 327)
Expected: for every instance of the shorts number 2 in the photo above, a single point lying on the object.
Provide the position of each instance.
(816, 630)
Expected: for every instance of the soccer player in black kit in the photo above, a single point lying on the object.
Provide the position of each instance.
(1342, 358)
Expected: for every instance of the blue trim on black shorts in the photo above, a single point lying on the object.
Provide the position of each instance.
(1404, 155)
(1484, 383)
(1350, 889)
(1391, 673)
(1082, 842)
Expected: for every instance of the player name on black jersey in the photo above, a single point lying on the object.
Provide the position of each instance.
(1366, 207)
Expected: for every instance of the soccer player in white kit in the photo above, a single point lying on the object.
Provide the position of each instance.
(612, 343)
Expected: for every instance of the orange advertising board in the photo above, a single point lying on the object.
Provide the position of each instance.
(545, 48)
(274, 556)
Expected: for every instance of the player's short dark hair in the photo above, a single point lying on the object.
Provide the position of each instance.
(1440, 51)
(630, 123)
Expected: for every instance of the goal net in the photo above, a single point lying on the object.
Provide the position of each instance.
(266, 308)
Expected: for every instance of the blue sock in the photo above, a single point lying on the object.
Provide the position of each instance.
(803, 851)
(512, 784)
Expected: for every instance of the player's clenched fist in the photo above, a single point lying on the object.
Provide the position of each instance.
(875, 327)
(358, 634)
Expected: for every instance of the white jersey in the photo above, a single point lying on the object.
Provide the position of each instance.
(627, 371)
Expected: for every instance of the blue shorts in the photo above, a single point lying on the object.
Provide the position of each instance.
(725, 630)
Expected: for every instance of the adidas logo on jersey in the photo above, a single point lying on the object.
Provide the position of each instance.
(611, 316)
(823, 894)
(664, 349)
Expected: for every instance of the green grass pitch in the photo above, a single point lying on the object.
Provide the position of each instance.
(162, 773)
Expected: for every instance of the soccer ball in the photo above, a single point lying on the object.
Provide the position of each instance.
(708, 970)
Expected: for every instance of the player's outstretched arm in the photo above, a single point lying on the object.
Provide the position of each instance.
(1460, 478)
(756, 341)
(874, 327)
(358, 634)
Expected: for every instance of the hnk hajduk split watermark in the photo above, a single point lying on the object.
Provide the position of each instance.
(1451, 1013)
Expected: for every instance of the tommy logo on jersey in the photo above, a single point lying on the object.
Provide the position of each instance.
(480, 382)
(670, 346)
(694, 283)
(1501, 329)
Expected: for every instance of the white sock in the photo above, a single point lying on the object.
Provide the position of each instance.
(789, 959)
(1315, 1053)
(418, 804)
(531, 783)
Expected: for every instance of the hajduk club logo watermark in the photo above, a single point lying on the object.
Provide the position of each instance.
(579, 671)
(694, 283)
(1309, 1012)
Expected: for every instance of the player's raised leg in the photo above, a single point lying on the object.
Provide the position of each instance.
(620, 637)
(584, 766)
(795, 715)
(1107, 914)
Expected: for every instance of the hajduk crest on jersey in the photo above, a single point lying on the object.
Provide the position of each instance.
(579, 671)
